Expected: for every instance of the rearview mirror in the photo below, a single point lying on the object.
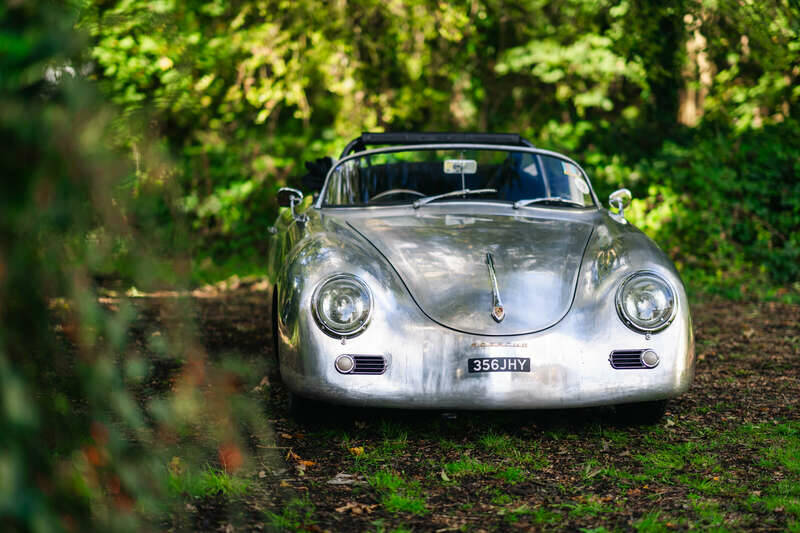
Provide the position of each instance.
(620, 199)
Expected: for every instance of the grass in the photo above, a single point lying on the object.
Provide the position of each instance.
(590, 506)
(695, 460)
(708, 510)
(541, 516)
(297, 515)
(380, 527)
(397, 494)
(394, 443)
(519, 452)
(650, 523)
(208, 482)
(467, 466)
(501, 498)
(497, 442)
(699, 465)
(512, 475)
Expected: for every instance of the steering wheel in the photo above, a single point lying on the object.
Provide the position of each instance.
(391, 192)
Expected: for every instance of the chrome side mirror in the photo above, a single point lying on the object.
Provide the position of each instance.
(288, 197)
(620, 199)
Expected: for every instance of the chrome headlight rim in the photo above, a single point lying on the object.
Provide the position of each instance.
(628, 321)
(318, 318)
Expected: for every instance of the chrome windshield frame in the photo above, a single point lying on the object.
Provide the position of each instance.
(450, 146)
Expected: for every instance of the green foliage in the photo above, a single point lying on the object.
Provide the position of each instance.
(726, 207)
(650, 523)
(208, 482)
(467, 466)
(82, 446)
(499, 442)
(240, 92)
(60, 458)
(297, 515)
(398, 495)
(512, 475)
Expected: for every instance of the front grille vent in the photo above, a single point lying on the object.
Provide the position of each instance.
(369, 364)
(625, 359)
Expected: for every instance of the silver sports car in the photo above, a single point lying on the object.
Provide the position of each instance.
(472, 271)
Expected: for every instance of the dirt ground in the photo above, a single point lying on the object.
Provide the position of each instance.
(725, 456)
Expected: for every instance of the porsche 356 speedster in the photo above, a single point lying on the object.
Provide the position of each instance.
(472, 271)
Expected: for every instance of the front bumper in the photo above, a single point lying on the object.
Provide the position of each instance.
(427, 364)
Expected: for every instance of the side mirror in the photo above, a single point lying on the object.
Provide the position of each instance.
(620, 199)
(288, 197)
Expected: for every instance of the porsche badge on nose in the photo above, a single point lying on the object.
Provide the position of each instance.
(498, 313)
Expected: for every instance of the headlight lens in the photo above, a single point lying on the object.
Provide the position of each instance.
(645, 302)
(342, 305)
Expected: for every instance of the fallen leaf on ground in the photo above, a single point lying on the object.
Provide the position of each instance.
(291, 456)
(175, 466)
(343, 478)
(263, 384)
(356, 508)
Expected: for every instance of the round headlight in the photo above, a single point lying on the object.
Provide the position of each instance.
(342, 305)
(645, 302)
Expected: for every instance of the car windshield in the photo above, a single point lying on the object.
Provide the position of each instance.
(421, 176)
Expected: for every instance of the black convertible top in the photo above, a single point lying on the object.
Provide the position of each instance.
(403, 138)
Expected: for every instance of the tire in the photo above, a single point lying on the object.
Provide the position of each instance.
(275, 356)
(642, 413)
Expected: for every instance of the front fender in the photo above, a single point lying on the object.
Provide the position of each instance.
(317, 256)
(616, 250)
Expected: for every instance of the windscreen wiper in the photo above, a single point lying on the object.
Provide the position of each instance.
(548, 199)
(465, 192)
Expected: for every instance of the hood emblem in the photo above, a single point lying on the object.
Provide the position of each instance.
(498, 312)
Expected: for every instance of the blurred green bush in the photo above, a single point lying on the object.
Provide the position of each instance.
(84, 446)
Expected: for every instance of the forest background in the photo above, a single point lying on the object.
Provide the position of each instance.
(692, 105)
(144, 142)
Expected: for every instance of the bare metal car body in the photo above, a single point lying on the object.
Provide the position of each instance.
(435, 275)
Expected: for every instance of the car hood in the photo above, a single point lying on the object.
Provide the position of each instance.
(441, 258)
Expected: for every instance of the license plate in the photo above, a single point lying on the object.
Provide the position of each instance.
(499, 364)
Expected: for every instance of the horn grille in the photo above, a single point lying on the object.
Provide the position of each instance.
(626, 359)
(369, 364)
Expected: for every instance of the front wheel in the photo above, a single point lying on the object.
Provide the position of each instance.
(275, 356)
(642, 413)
